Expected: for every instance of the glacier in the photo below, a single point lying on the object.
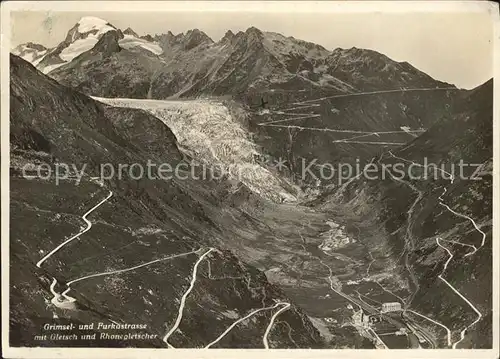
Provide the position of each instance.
(212, 135)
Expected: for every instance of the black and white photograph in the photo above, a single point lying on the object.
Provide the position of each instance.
(249, 175)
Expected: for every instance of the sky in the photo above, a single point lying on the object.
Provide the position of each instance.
(453, 47)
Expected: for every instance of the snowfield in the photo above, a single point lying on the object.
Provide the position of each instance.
(86, 35)
(130, 42)
(208, 131)
(78, 47)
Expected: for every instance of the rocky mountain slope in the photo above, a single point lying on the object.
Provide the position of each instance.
(152, 253)
(311, 130)
(80, 39)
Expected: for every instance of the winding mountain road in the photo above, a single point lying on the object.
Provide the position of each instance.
(473, 223)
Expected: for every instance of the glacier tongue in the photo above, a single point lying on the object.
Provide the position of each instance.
(207, 129)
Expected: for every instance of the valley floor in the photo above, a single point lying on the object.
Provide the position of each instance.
(334, 264)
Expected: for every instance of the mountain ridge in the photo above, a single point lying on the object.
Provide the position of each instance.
(191, 63)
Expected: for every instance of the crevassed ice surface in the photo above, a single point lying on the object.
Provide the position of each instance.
(208, 130)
